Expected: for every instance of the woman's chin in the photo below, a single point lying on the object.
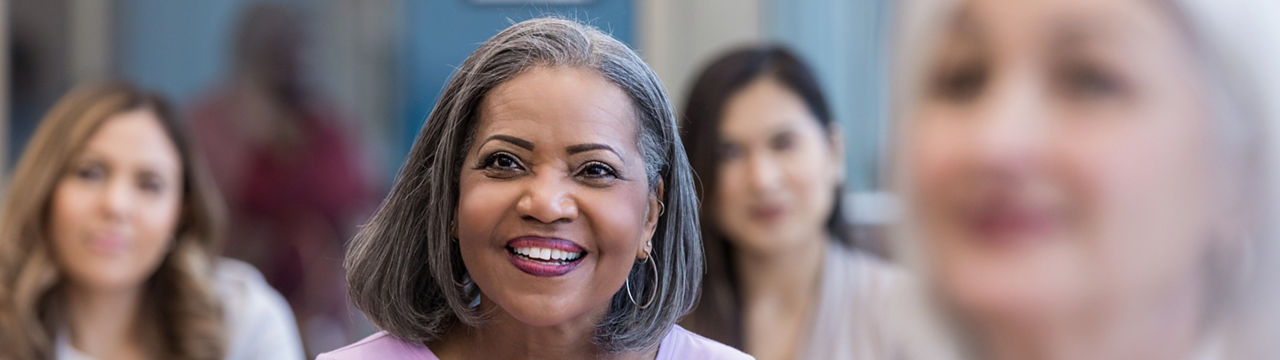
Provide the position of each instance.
(1024, 300)
(542, 311)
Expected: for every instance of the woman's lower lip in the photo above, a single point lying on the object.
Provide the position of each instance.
(1010, 228)
(543, 269)
(107, 245)
(767, 214)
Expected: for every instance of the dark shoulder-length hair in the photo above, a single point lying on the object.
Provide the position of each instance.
(407, 275)
(181, 291)
(718, 315)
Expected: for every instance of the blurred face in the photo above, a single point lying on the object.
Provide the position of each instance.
(1059, 159)
(554, 204)
(115, 210)
(778, 170)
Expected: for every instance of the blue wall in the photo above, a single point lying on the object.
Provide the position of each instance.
(845, 42)
(439, 34)
(179, 48)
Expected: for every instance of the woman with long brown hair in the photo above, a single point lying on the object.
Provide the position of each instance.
(108, 243)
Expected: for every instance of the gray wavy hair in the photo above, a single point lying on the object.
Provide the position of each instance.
(408, 277)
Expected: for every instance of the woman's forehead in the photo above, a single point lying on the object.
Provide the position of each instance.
(560, 105)
(1050, 21)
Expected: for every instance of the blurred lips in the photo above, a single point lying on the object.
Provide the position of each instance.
(109, 244)
(1003, 222)
(769, 213)
(545, 257)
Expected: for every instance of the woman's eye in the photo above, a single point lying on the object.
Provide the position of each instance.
(730, 152)
(960, 84)
(150, 185)
(597, 170)
(502, 161)
(1084, 82)
(782, 141)
(90, 173)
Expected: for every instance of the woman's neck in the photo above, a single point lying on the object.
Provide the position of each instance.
(106, 324)
(779, 291)
(789, 278)
(1170, 327)
(503, 337)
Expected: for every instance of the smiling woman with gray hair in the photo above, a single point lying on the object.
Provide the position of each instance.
(546, 210)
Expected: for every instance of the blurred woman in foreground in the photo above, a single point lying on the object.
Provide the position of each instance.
(108, 244)
(1093, 179)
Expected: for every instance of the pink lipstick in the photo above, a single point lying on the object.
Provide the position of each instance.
(544, 257)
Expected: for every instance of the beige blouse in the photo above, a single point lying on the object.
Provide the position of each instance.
(853, 318)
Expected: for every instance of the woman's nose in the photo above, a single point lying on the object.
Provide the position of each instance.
(763, 172)
(1014, 122)
(116, 198)
(548, 198)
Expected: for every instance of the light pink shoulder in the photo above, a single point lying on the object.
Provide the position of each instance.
(380, 346)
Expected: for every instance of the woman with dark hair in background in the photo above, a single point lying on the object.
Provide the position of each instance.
(109, 241)
(784, 277)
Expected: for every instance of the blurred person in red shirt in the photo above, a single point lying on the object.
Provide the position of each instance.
(290, 172)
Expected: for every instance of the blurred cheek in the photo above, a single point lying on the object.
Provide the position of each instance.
(733, 195)
(935, 150)
(810, 173)
(1148, 194)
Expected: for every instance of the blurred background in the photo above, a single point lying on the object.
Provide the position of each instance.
(305, 109)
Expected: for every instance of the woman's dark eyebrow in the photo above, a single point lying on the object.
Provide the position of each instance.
(526, 144)
(574, 149)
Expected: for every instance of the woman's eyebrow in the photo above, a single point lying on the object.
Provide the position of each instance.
(574, 149)
(526, 144)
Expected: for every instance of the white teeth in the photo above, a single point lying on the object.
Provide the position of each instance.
(547, 254)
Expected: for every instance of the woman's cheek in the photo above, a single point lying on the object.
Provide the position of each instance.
(618, 218)
(481, 205)
(158, 228)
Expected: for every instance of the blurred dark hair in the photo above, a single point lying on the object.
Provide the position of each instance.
(717, 316)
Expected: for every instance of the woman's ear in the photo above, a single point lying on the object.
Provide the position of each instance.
(656, 209)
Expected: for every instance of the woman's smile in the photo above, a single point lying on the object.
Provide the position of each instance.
(545, 257)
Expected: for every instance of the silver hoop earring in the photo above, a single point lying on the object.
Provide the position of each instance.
(653, 297)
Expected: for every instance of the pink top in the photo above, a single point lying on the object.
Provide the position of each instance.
(678, 344)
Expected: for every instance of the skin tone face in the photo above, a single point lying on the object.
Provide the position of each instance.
(778, 170)
(1061, 175)
(112, 219)
(114, 211)
(554, 209)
